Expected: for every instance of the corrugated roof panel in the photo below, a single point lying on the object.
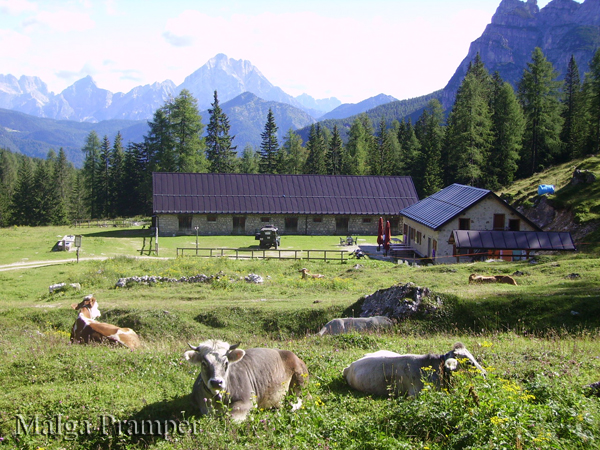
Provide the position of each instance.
(513, 240)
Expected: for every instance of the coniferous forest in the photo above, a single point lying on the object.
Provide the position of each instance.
(493, 134)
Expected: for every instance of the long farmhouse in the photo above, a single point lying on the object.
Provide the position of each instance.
(224, 204)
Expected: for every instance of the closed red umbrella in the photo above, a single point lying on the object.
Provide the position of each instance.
(380, 233)
(387, 237)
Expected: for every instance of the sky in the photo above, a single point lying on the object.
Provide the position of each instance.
(348, 49)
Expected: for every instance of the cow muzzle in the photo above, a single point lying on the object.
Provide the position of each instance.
(216, 385)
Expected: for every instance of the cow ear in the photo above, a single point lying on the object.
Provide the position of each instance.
(190, 356)
(235, 355)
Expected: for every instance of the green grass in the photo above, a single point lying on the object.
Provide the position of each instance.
(538, 341)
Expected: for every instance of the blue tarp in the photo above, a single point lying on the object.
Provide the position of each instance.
(545, 189)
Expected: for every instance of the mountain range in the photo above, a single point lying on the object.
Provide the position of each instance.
(561, 29)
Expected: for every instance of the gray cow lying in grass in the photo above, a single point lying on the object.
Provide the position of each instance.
(351, 324)
(239, 380)
(385, 372)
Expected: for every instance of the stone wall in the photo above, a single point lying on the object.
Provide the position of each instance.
(222, 224)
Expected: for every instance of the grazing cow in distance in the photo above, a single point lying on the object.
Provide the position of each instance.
(474, 278)
(505, 279)
(305, 274)
(350, 324)
(87, 329)
(239, 379)
(385, 372)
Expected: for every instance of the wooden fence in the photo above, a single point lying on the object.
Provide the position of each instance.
(249, 253)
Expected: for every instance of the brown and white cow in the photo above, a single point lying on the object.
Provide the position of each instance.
(238, 380)
(87, 329)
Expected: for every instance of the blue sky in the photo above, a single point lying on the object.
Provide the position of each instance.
(347, 49)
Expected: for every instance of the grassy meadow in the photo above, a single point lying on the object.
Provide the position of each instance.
(538, 341)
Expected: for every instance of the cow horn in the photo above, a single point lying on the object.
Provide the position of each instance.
(233, 347)
(462, 351)
(192, 347)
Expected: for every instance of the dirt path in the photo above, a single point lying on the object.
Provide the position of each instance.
(34, 264)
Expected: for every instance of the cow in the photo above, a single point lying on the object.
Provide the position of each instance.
(350, 324)
(505, 279)
(306, 275)
(384, 372)
(87, 329)
(474, 278)
(238, 380)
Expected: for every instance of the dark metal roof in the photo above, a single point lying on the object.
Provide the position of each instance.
(212, 193)
(443, 206)
(512, 240)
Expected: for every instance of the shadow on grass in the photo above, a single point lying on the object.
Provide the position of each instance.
(116, 233)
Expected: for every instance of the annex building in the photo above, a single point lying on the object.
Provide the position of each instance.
(462, 223)
(225, 204)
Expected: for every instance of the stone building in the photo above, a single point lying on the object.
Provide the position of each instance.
(224, 204)
(462, 223)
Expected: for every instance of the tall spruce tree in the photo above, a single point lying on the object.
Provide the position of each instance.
(103, 179)
(269, 146)
(316, 161)
(410, 148)
(249, 161)
(573, 131)
(508, 127)
(469, 136)
(380, 160)
(429, 130)
(91, 166)
(539, 93)
(335, 153)
(592, 96)
(117, 200)
(220, 153)
(22, 205)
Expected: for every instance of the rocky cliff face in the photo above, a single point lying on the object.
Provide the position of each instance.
(561, 29)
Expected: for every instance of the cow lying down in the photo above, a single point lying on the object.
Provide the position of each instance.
(351, 324)
(242, 379)
(86, 328)
(383, 373)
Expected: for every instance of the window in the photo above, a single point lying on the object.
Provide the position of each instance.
(341, 225)
(211, 218)
(499, 222)
(419, 237)
(464, 224)
(317, 219)
(265, 219)
(514, 224)
(366, 220)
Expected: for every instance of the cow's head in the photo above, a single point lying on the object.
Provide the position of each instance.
(460, 351)
(89, 305)
(214, 358)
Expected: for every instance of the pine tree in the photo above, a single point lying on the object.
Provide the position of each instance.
(22, 206)
(410, 148)
(137, 180)
(77, 202)
(220, 154)
(117, 200)
(316, 161)
(335, 153)
(91, 166)
(508, 127)
(592, 97)
(468, 138)
(160, 142)
(61, 171)
(539, 96)
(572, 133)
(103, 179)
(360, 141)
(269, 146)
(187, 129)
(295, 153)
(430, 132)
(380, 160)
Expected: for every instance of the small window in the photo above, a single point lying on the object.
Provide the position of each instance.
(265, 219)
(464, 224)
(419, 237)
(514, 224)
(185, 222)
(499, 222)
(366, 220)
(318, 219)
(211, 218)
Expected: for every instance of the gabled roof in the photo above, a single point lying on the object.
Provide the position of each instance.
(512, 240)
(212, 193)
(443, 206)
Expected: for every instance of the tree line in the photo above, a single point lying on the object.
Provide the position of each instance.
(492, 135)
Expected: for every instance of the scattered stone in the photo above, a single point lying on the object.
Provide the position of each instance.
(573, 276)
(518, 273)
(400, 302)
(57, 287)
(574, 313)
(318, 301)
(253, 278)
(153, 279)
(358, 266)
(582, 177)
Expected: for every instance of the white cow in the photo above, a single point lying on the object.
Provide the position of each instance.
(383, 373)
(239, 380)
(351, 324)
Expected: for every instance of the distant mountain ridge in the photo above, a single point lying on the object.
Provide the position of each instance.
(351, 109)
(561, 29)
(83, 101)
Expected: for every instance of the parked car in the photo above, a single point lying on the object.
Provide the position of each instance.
(268, 237)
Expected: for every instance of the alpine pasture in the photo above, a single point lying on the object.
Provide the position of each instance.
(538, 342)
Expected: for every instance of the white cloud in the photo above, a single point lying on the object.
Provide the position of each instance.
(61, 21)
(17, 7)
